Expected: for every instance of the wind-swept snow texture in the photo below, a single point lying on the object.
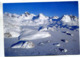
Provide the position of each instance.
(30, 34)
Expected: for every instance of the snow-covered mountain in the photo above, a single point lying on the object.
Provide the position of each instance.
(40, 16)
(13, 22)
(66, 21)
(27, 16)
(55, 17)
(40, 19)
(70, 20)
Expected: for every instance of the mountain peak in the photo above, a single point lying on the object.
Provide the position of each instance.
(27, 13)
(41, 14)
(7, 14)
(69, 20)
(55, 17)
(66, 18)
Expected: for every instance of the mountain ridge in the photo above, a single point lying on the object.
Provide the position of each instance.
(12, 21)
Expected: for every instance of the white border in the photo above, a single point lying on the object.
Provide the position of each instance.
(12, 1)
(1, 24)
(1, 32)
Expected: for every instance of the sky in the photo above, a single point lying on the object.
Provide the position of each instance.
(47, 8)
